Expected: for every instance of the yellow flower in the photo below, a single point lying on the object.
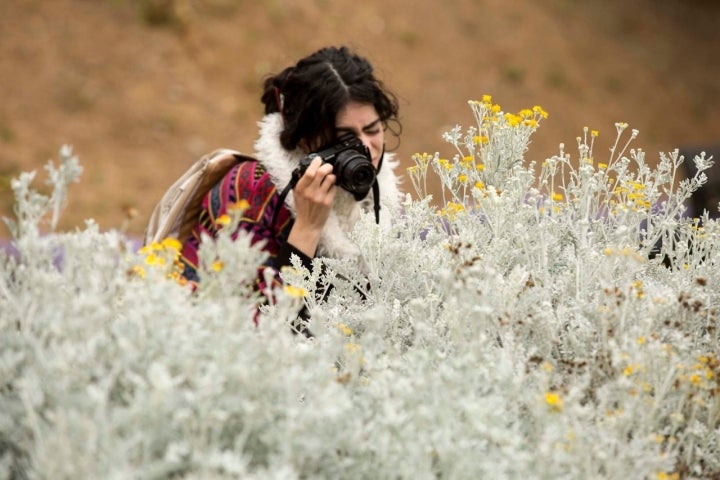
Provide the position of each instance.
(628, 371)
(217, 266)
(554, 401)
(345, 329)
(462, 178)
(557, 197)
(240, 205)
(445, 164)
(487, 98)
(153, 247)
(295, 292)
(352, 347)
(641, 340)
(602, 166)
(594, 133)
(479, 185)
(223, 219)
(451, 210)
(537, 110)
(139, 271)
(171, 244)
(512, 120)
(153, 259)
(525, 113)
(480, 167)
(421, 159)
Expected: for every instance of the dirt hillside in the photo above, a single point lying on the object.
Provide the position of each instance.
(141, 88)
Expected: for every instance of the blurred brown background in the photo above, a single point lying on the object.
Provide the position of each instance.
(141, 88)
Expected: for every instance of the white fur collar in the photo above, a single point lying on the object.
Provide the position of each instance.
(334, 240)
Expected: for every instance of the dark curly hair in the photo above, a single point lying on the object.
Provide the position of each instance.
(310, 94)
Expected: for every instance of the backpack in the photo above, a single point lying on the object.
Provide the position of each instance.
(177, 212)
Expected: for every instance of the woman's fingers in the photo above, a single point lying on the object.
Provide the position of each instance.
(314, 195)
(317, 181)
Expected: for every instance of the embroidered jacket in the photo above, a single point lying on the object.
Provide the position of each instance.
(260, 182)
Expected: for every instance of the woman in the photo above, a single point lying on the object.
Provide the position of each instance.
(308, 107)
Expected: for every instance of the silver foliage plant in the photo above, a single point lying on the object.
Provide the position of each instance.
(544, 321)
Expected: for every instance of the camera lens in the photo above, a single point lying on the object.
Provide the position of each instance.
(355, 172)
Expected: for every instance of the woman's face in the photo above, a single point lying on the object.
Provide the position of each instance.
(362, 120)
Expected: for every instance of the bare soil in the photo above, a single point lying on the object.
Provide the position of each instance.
(141, 88)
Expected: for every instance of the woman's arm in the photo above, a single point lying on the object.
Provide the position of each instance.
(314, 195)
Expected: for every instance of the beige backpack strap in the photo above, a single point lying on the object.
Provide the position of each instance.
(177, 212)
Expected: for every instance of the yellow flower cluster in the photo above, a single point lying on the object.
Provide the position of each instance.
(485, 155)
(452, 210)
(632, 194)
(446, 164)
(157, 253)
(422, 160)
(418, 172)
(164, 256)
(490, 114)
(702, 374)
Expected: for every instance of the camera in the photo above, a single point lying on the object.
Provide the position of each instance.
(352, 164)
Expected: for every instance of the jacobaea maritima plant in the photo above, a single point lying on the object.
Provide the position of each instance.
(545, 320)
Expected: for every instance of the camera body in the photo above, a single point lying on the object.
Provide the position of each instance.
(352, 164)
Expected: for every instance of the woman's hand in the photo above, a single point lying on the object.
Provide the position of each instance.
(314, 195)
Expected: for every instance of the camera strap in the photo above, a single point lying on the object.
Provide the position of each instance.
(376, 188)
(376, 200)
(283, 195)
